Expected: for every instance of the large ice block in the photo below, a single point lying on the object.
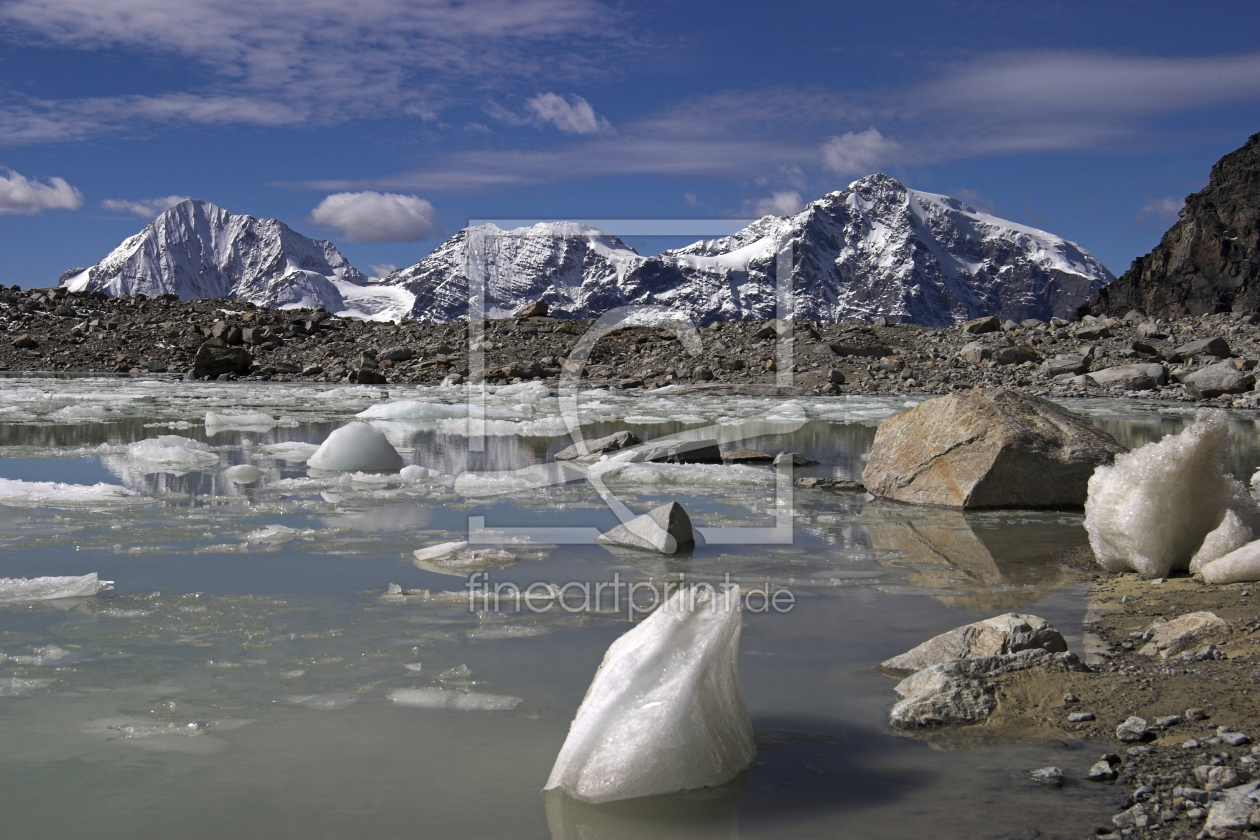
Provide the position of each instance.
(1151, 511)
(166, 453)
(356, 447)
(664, 712)
(14, 590)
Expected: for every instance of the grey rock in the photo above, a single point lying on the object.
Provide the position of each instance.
(684, 452)
(1016, 355)
(1062, 364)
(1135, 817)
(665, 529)
(1214, 346)
(979, 326)
(396, 354)
(1215, 380)
(1167, 721)
(990, 448)
(1032, 323)
(1000, 635)
(1080, 717)
(1101, 771)
(599, 446)
(746, 456)
(1142, 377)
(215, 361)
(1093, 332)
(1149, 329)
(859, 347)
(793, 459)
(1169, 638)
(1217, 778)
(977, 352)
(1133, 729)
(1234, 811)
(1191, 794)
(1235, 739)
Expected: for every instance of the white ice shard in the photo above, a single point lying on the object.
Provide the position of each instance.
(294, 451)
(166, 453)
(1231, 534)
(445, 698)
(1240, 565)
(216, 422)
(664, 712)
(15, 590)
(1151, 511)
(665, 528)
(15, 492)
(356, 447)
(243, 474)
(330, 701)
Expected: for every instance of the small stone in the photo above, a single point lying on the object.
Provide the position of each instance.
(793, 459)
(1133, 729)
(23, 342)
(1216, 778)
(1138, 751)
(1080, 717)
(1196, 714)
(1167, 721)
(1235, 739)
(978, 326)
(1135, 817)
(1100, 772)
(1070, 698)
(1048, 776)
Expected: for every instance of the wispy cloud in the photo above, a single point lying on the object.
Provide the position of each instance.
(284, 61)
(19, 194)
(145, 208)
(1166, 208)
(377, 217)
(783, 203)
(571, 114)
(860, 152)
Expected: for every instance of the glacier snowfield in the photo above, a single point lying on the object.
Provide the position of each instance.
(253, 674)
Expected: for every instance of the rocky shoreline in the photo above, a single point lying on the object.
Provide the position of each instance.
(1207, 359)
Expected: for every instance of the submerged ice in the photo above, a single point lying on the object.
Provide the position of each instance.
(664, 712)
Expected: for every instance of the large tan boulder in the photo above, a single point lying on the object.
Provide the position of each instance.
(987, 448)
(997, 636)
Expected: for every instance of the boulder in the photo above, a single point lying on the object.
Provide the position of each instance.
(1150, 329)
(537, 309)
(1002, 634)
(1215, 380)
(987, 448)
(599, 446)
(979, 326)
(1233, 812)
(1214, 346)
(396, 354)
(1062, 364)
(1143, 377)
(851, 346)
(794, 459)
(684, 452)
(1016, 355)
(665, 529)
(212, 361)
(746, 456)
(1172, 637)
(1133, 730)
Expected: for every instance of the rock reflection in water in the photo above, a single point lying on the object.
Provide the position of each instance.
(991, 563)
(707, 814)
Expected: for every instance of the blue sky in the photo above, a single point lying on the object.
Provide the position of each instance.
(385, 125)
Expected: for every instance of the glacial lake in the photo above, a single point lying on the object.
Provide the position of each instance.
(236, 680)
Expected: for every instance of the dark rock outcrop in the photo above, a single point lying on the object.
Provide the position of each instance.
(1209, 261)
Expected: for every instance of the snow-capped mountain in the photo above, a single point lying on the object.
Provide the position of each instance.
(874, 248)
(197, 250)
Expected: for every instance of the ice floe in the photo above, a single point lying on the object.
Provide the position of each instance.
(1152, 510)
(219, 422)
(445, 698)
(16, 493)
(171, 453)
(327, 702)
(664, 712)
(293, 451)
(243, 474)
(356, 447)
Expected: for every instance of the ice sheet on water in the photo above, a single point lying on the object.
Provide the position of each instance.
(216, 422)
(330, 701)
(243, 474)
(445, 698)
(166, 453)
(80, 413)
(696, 477)
(356, 447)
(17, 493)
(664, 712)
(1151, 511)
(272, 534)
(414, 410)
(15, 687)
(293, 451)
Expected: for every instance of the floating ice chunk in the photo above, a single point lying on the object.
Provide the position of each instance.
(79, 413)
(271, 534)
(445, 698)
(171, 452)
(413, 474)
(15, 590)
(1231, 534)
(1151, 511)
(292, 451)
(1239, 566)
(414, 410)
(457, 559)
(664, 712)
(439, 551)
(219, 422)
(332, 700)
(243, 474)
(55, 494)
(524, 391)
(356, 447)
(14, 686)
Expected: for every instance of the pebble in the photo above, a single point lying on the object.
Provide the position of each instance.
(1133, 729)
(1196, 714)
(1102, 771)
(1080, 717)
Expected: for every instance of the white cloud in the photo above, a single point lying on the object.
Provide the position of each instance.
(380, 270)
(19, 194)
(571, 114)
(1167, 207)
(377, 217)
(145, 208)
(783, 203)
(859, 153)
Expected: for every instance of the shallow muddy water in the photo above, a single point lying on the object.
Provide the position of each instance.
(237, 679)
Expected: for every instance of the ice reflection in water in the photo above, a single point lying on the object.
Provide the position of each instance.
(259, 707)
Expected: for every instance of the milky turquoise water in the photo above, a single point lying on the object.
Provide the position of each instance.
(235, 681)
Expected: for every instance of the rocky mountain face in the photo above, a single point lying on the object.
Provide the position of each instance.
(196, 250)
(1209, 261)
(875, 248)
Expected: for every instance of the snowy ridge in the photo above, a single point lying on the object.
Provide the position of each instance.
(198, 250)
(874, 248)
